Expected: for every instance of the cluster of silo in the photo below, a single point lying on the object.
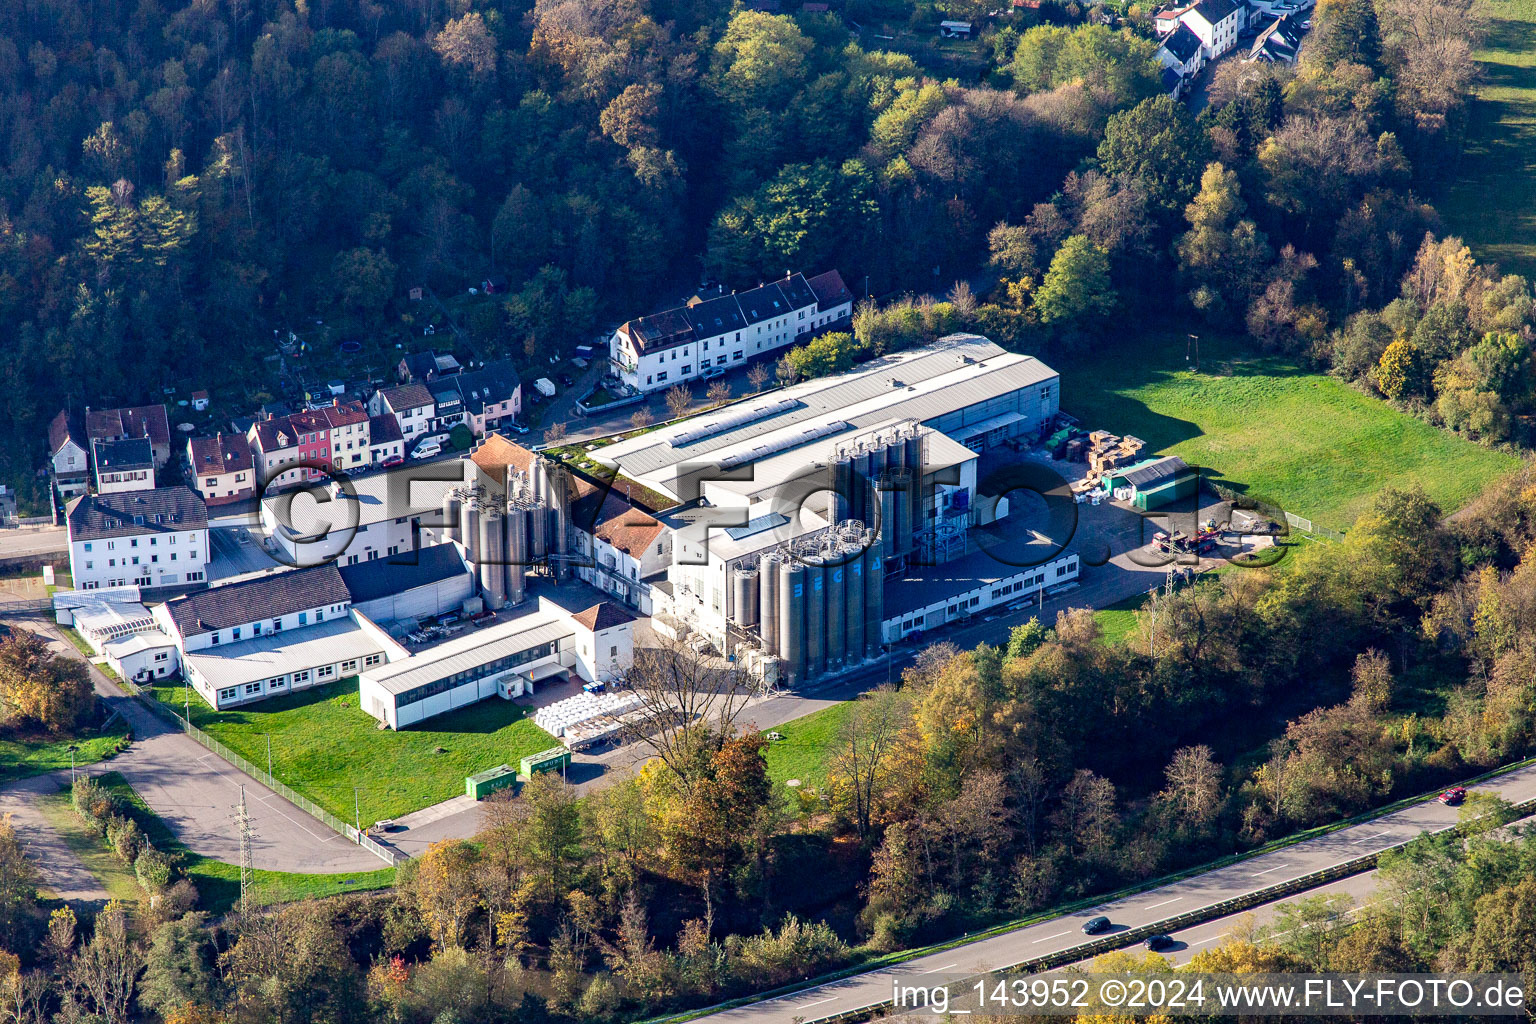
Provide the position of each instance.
(508, 525)
(818, 604)
(878, 481)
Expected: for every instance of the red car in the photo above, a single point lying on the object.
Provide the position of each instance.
(393, 460)
(1453, 797)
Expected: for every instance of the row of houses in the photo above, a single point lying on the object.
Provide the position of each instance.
(710, 335)
(121, 450)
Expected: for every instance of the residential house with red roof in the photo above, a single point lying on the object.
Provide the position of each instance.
(222, 467)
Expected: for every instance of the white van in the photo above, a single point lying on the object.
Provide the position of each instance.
(427, 451)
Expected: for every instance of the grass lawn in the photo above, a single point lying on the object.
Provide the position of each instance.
(1492, 201)
(807, 746)
(24, 756)
(324, 746)
(1265, 427)
(1119, 620)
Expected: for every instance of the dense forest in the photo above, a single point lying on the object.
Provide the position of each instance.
(180, 181)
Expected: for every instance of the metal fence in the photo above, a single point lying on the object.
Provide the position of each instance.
(1307, 526)
(1221, 908)
(390, 856)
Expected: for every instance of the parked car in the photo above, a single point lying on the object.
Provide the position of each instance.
(1095, 925)
(427, 451)
(712, 372)
(1158, 942)
(394, 460)
(1453, 796)
(517, 428)
(565, 380)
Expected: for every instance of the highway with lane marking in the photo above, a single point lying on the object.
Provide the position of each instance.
(1166, 903)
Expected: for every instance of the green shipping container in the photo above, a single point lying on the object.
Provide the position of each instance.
(1182, 486)
(478, 787)
(552, 760)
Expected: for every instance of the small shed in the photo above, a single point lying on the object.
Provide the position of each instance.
(1168, 490)
(554, 759)
(478, 787)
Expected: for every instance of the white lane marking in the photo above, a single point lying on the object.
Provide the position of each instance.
(1058, 935)
(1213, 938)
(1164, 903)
(936, 970)
(1267, 871)
(1366, 839)
(816, 1003)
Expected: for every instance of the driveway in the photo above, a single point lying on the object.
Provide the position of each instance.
(196, 792)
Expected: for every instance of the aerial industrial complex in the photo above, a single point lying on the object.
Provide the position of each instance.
(798, 534)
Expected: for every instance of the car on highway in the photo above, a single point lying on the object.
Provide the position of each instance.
(1095, 925)
(1453, 796)
(1158, 942)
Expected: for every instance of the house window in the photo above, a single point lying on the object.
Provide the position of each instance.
(303, 618)
(228, 694)
(215, 638)
(251, 688)
(372, 659)
(87, 545)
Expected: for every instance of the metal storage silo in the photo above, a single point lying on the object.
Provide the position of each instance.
(853, 601)
(497, 563)
(485, 526)
(837, 624)
(517, 555)
(914, 463)
(768, 603)
(887, 528)
(469, 529)
(451, 513)
(842, 486)
(744, 597)
(874, 599)
(858, 506)
(538, 539)
(792, 601)
(815, 615)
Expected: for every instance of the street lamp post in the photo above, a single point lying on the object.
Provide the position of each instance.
(269, 759)
(72, 749)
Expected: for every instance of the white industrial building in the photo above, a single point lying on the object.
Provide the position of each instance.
(120, 629)
(811, 466)
(282, 631)
(153, 538)
(377, 516)
(506, 660)
(657, 351)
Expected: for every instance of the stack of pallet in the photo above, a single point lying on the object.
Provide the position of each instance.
(1112, 452)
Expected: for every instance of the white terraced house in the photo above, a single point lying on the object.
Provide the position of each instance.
(657, 351)
(155, 538)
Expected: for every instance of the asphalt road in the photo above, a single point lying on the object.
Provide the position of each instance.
(1063, 933)
(19, 541)
(196, 792)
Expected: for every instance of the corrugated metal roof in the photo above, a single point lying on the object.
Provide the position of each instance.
(955, 372)
(463, 654)
(279, 654)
